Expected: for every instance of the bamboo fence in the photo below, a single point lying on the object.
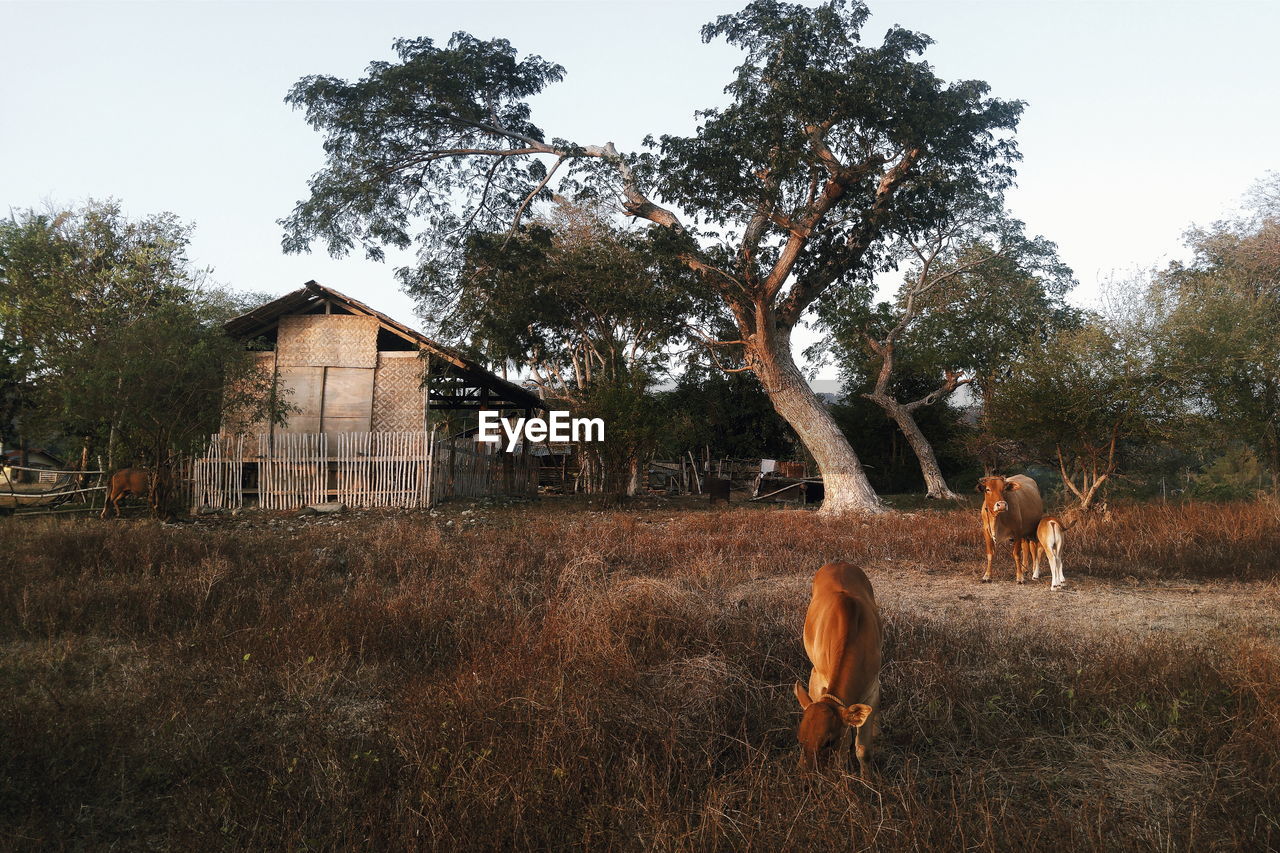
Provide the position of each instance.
(293, 469)
(217, 476)
(366, 469)
(383, 468)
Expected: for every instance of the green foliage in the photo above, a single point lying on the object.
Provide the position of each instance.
(441, 144)
(891, 465)
(635, 422)
(15, 388)
(1076, 401)
(113, 338)
(1214, 327)
(826, 146)
(809, 96)
(979, 320)
(381, 133)
(571, 296)
(1235, 475)
(977, 292)
(726, 412)
(591, 310)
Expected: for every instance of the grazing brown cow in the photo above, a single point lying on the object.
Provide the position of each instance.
(842, 639)
(1013, 512)
(131, 481)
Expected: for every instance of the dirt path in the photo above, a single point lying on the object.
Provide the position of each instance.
(1188, 609)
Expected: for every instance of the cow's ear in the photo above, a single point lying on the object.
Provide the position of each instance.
(855, 715)
(1012, 486)
(802, 696)
(982, 484)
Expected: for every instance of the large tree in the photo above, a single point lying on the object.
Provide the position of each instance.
(779, 196)
(590, 310)
(976, 292)
(112, 338)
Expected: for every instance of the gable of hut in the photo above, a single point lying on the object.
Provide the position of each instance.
(348, 368)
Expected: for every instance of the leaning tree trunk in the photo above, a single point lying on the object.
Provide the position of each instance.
(844, 482)
(934, 482)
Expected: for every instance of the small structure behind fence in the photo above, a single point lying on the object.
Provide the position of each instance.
(360, 469)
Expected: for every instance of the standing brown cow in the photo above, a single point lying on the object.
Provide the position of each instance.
(138, 482)
(1013, 512)
(842, 638)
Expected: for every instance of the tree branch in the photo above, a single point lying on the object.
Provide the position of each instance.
(515, 222)
(953, 381)
(805, 290)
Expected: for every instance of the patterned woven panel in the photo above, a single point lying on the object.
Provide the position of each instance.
(397, 395)
(328, 340)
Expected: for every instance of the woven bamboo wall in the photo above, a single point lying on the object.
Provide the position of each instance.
(398, 397)
(329, 365)
(327, 340)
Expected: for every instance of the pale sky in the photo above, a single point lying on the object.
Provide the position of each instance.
(1142, 117)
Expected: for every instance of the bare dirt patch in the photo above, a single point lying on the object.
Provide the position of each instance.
(1200, 612)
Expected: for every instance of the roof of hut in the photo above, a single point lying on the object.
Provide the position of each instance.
(312, 295)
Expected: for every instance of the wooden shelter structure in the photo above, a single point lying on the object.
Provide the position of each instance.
(350, 368)
(364, 388)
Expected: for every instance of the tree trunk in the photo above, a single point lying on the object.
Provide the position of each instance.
(111, 434)
(935, 483)
(1089, 485)
(844, 482)
(633, 481)
(24, 460)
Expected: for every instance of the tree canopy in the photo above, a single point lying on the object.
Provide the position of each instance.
(1213, 325)
(976, 291)
(1078, 398)
(780, 195)
(112, 338)
(571, 297)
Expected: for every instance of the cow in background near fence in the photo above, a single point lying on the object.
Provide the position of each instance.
(138, 483)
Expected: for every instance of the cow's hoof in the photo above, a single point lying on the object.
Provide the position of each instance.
(986, 580)
(1058, 587)
(1021, 581)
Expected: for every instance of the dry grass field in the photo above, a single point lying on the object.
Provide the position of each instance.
(551, 676)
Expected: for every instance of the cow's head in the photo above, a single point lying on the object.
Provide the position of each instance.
(993, 493)
(822, 723)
